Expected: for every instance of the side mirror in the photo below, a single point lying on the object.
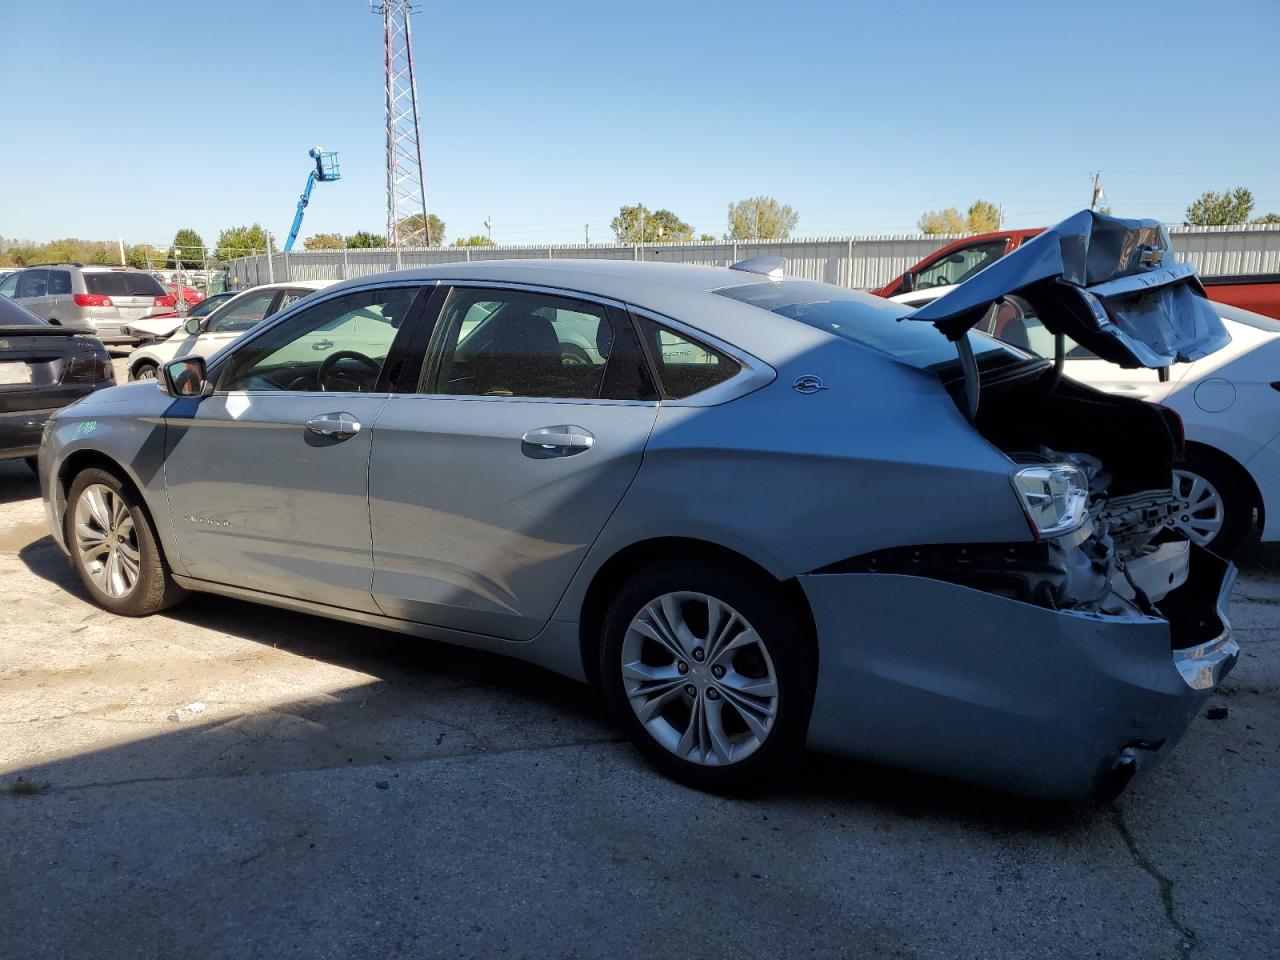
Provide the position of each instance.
(192, 326)
(186, 377)
(908, 282)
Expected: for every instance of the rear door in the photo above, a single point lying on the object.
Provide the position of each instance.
(59, 304)
(492, 475)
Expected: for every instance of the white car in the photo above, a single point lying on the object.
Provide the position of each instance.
(1229, 403)
(205, 336)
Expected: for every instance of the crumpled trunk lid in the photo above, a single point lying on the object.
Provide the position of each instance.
(1111, 285)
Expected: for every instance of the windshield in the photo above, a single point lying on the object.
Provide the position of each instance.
(870, 321)
(209, 304)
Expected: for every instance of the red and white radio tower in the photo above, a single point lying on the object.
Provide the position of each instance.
(407, 224)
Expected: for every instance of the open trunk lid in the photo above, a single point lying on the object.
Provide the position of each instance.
(1111, 285)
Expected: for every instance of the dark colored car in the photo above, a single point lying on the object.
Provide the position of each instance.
(42, 369)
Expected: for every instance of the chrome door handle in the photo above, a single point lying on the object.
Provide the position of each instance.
(565, 437)
(322, 345)
(340, 425)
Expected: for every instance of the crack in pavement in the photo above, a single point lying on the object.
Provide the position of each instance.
(1187, 938)
(52, 790)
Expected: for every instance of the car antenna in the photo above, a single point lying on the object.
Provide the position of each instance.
(766, 266)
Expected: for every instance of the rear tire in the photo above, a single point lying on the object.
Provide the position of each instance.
(1217, 502)
(722, 703)
(114, 546)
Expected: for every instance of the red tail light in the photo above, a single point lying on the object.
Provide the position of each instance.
(168, 300)
(92, 300)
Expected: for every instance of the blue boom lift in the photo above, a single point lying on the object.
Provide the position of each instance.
(326, 171)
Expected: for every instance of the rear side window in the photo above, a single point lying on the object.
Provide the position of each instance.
(59, 282)
(123, 285)
(684, 365)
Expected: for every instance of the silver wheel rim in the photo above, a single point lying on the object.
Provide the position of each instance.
(699, 678)
(107, 541)
(146, 372)
(1201, 512)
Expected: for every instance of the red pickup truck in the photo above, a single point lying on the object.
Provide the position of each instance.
(961, 259)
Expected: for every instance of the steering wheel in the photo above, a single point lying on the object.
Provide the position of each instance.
(347, 381)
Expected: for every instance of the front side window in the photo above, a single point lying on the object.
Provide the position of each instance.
(337, 345)
(515, 343)
(241, 313)
(959, 266)
(32, 283)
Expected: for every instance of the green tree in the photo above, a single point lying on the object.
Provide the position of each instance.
(475, 240)
(142, 255)
(984, 216)
(1267, 218)
(363, 240)
(1220, 209)
(324, 241)
(241, 242)
(434, 235)
(187, 250)
(707, 238)
(639, 224)
(949, 220)
(761, 218)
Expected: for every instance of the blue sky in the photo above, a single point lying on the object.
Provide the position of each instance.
(133, 118)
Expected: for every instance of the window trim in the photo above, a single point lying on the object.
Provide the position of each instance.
(391, 366)
(617, 312)
(753, 373)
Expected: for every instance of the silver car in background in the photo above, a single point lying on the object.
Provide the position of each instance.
(102, 299)
(759, 512)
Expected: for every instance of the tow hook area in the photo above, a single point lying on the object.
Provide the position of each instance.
(1125, 766)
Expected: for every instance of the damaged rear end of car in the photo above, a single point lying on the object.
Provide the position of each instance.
(1062, 664)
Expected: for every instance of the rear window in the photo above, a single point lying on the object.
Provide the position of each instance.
(123, 285)
(863, 319)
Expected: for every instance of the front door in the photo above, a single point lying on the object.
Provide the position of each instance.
(488, 485)
(268, 478)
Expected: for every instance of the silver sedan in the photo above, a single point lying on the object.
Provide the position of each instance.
(760, 512)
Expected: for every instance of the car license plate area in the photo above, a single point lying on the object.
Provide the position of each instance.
(13, 374)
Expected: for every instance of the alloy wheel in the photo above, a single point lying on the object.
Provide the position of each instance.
(1202, 513)
(699, 678)
(146, 372)
(107, 541)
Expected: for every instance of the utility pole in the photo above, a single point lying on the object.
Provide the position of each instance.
(488, 228)
(586, 233)
(1097, 190)
(120, 244)
(406, 185)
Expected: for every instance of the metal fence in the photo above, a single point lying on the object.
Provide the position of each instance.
(846, 261)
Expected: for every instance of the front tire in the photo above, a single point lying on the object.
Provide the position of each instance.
(145, 370)
(114, 547)
(711, 672)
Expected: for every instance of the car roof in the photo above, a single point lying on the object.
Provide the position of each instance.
(684, 292)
